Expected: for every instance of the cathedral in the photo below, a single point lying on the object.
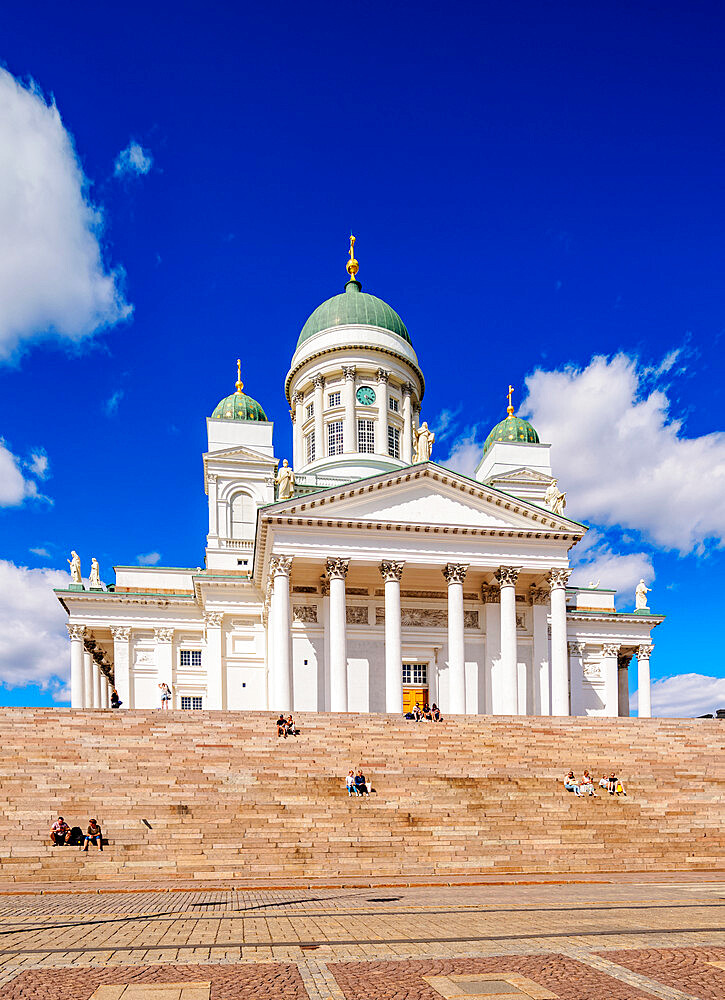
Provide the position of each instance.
(363, 576)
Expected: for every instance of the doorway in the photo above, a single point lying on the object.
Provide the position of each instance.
(415, 686)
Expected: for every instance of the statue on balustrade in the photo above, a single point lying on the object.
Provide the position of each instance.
(424, 441)
(75, 567)
(285, 480)
(554, 499)
(94, 580)
(640, 596)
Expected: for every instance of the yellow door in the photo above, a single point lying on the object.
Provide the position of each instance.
(411, 695)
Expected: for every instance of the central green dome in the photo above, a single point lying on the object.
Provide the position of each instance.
(353, 307)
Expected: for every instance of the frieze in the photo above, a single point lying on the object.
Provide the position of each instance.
(424, 617)
(470, 619)
(356, 615)
(490, 593)
(592, 671)
(305, 613)
(304, 590)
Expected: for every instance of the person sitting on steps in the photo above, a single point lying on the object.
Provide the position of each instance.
(115, 700)
(350, 783)
(587, 785)
(93, 835)
(60, 833)
(436, 713)
(282, 726)
(361, 785)
(292, 729)
(570, 783)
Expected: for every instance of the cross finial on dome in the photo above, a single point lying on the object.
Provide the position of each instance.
(352, 265)
(240, 384)
(509, 408)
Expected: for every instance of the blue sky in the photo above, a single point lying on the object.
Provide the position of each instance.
(537, 189)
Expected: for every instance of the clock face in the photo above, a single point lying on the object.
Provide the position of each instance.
(366, 395)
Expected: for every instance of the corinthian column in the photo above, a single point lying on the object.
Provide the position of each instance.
(281, 681)
(455, 574)
(507, 577)
(557, 579)
(88, 674)
(406, 446)
(336, 573)
(381, 424)
(644, 701)
(298, 459)
(76, 634)
(214, 659)
(122, 664)
(349, 435)
(610, 661)
(391, 573)
(320, 444)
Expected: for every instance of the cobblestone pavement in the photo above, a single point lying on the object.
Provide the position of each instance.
(615, 941)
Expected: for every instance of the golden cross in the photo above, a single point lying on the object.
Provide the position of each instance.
(511, 389)
(352, 247)
(240, 384)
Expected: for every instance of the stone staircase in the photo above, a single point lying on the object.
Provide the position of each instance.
(211, 795)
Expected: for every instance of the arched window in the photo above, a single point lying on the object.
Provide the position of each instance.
(244, 516)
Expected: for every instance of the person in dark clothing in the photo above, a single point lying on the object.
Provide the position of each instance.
(361, 785)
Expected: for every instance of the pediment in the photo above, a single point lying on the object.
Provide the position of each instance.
(239, 454)
(522, 475)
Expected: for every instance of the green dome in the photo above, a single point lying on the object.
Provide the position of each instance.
(238, 406)
(511, 429)
(353, 307)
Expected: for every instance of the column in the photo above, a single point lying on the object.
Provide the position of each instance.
(87, 674)
(381, 424)
(540, 658)
(576, 652)
(298, 456)
(644, 700)
(623, 662)
(349, 430)
(164, 639)
(336, 573)
(211, 485)
(105, 692)
(319, 400)
(455, 574)
(213, 660)
(281, 686)
(76, 634)
(490, 595)
(97, 680)
(391, 573)
(325, 591)
(406, 447)
(507, 577)
(610, 659)
(557, 579)
(268, 623)
(122, 664)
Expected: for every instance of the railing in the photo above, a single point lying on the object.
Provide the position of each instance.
(310, 482)
(235, 543)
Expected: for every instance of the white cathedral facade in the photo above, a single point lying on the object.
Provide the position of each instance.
(365, 577)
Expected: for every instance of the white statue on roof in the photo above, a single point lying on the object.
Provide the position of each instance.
(640, 596)
(554, 499)
(424, 441)
(75, 567)
(285, 480)
(94, 580)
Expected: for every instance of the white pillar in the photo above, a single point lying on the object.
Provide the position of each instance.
(349, 430)
(381, 423)
(623, 684)
(576, 652)
(325, 591)
(644, 699)
(610, 676)
(214, 660)
(336, 573)
(122, 664)
(104, 691)
(298, 458)
(507, 577)
(406, 447)
(211, 485)
(319, 402)
(76, 633)
(455, 574)
(391, 573)
(557, 579)
(492, 662)
(281, 687)
(164, 639)
(96, 683)
(540, 658)
(87, 678)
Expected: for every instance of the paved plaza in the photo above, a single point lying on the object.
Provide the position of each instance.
(616, 938)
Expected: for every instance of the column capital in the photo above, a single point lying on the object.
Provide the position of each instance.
(349, 371)
(507, 575)
(407, 388)
(164, 634)
(576, 648)
(319, 381)
(280, 565)
(337, 568)
(455, 572)
(383, 375)
(213, 619)
(297, 397)
(538, 595)
(120, 633)
(211, 477)
(610, 649)
(490, 593)
(558, 578)
(644, 651)
(76, 631)
(391, 571)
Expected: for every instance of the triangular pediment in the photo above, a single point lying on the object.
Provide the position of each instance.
(522, 476)
(239, 454)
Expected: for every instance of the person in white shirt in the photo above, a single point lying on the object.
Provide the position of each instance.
(570, 783)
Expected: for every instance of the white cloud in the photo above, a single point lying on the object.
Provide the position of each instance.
(39, 464)
(52, 276)
(133, 160)
(445, 423)
(14, 487)
(41, 552)
(465, 452)
(149, 559)
(594, 561)
(33, 637)
(111, 404)
(686, 695)
(623, 459)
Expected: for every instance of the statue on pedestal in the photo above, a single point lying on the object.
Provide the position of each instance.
(554, 499)
(75, 567)
(285, 481)
(94, 580)
(640, 597)
(424, 441)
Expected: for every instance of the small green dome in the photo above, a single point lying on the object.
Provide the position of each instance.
(353, 307)
(511, 429)
(238, 406)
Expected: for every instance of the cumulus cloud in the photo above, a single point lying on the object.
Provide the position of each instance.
(465, 451)
(149, 559)
(33, 637)
(133, 161)
(53, 280)
(686, 696)
(622, 457)
(15, 487)
(594, 561)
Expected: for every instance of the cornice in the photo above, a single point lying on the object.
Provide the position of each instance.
(613, 616)
(346, 348)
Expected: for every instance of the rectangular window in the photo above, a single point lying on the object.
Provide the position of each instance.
(310, 443)
(366, 436)
(333, 399)
(190, 658)
(310, 411)
(334, 438)
(394, 442)
(415, 673)
(394, 405)
(191, 702)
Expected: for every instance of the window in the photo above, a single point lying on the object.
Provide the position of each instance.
(191, 702)
(310, 446)
(394, 405)
(394, 442)
(366, 436)
(415, 673)
(333, 399)
(190, 658)
(334, 438)
(310, 411)
(244, 516)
